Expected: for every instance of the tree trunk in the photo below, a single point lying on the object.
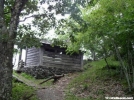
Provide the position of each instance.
(8, 35)
(123, 67)
(6, 54)
(105, 57)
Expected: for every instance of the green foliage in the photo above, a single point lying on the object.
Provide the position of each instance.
(20, 90)
(12, 12)
(102, 23)
(104, 30)
(30, 79)
(26, 37)
(93, 80)
(27, 76)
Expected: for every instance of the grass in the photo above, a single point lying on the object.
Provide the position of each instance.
(33, 80)
(27, 76)
(97, 82)
(20, 91)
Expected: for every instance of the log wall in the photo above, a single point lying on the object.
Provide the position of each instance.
(53, 58)
(57, 59)
(32, 56)
(44, 61)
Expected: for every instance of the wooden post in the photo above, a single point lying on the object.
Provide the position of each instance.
(25, 57)
(41, 53)
(81, 59)
(20, 54)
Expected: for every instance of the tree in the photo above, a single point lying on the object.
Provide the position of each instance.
(107, 28)
(10, 13)
(10, 33)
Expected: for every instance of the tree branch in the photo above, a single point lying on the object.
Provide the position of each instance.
(55, 77)
(15, 13)
(39, 15)
(28, 17)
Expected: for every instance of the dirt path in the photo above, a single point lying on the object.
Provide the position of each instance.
(57, 91)
(54, 92)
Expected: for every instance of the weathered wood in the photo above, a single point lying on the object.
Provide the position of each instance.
(66, 60)
(32, 66)
(40, 56)
(52, 54)
(55, 77)
(32, 60)
(51, 57)
(32, 56)
(27, 97)
(61, 65)
(31, 63)
(48, 52)
(61, 58)
(26, 56)
(48, 57)
(33, 48)
(33, 51)
(28, 64)
(57, 62)
(20, 65)
(19, 80)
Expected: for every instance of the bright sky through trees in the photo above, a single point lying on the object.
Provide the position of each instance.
(51, 33)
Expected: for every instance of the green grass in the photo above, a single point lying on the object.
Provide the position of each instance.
(20, 91)
(93, 81)
(33, 80)
(27, 76)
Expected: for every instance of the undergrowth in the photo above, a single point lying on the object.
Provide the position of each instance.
(97, 81)
(32, 79)
(27, 76)
(21, 91)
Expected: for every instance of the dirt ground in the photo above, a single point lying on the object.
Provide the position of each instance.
(56, 91)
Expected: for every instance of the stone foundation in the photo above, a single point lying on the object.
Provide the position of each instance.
(40, 72)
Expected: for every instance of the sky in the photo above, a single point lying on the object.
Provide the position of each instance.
(51, 34)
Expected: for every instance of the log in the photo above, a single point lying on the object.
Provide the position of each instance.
(27, 97)
(17, 79)
(55, 77)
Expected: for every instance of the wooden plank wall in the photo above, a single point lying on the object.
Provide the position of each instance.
(54, 59)
(32, 56)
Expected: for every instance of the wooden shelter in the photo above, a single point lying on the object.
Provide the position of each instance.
(49, 56)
